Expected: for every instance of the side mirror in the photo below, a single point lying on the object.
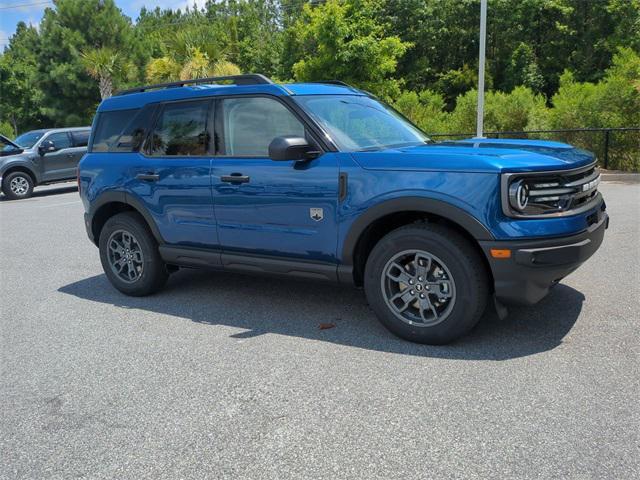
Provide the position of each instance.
(291, 147)
(46, 147)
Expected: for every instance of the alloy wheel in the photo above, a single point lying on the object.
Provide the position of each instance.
(418, 288)
(125, 256)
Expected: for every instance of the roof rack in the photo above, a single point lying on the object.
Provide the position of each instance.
(334, 82)
(247, 79)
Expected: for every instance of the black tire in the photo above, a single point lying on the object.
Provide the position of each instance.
(17, 185)
(150, 272)
(470, 284)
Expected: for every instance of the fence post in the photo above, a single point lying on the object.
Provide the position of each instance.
(606, 148)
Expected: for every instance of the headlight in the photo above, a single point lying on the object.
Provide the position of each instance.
(519, 195)
(551, 193)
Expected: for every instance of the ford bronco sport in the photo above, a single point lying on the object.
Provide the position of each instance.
(40, 157)
(323, 181)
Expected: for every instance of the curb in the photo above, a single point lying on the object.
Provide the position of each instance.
(621, 177)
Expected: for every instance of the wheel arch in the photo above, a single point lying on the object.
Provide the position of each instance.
(381, 219)
(112, 203)
(24, 169)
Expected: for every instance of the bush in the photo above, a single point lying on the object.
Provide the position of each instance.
(7, 130)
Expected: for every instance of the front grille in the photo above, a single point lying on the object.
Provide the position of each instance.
(551, 193)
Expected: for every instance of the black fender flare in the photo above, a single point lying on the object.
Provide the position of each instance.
(432, 206)
(122, 197)
(21, 165)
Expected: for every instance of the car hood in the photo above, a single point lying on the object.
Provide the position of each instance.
(478, 155)
(11, 153)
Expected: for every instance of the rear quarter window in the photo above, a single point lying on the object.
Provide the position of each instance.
(80, 139)
(121, 130)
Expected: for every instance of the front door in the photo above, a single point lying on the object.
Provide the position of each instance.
(59, 164)
(271, 208)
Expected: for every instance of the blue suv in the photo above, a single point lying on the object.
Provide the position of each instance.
(323, 181)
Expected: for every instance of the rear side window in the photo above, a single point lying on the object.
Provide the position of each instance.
(80, 139)
(122, 130)
(181, 130)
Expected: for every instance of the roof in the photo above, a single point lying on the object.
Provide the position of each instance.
(139, 99)
(64, 129)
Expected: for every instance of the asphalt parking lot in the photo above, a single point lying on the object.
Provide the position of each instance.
(225, 376)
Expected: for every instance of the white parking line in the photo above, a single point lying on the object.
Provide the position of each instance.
(59, 204)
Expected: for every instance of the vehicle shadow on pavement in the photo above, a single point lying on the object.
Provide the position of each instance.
(288, 307)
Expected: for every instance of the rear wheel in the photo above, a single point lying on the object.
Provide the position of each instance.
(17, 185)
(426, 283)
(130, 257)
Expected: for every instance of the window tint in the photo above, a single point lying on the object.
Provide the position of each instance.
(81, 138)
(181, 130)
(109, 126)
(60, 140)
(250, 124)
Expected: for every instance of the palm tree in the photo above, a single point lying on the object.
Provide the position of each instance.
(106, 65)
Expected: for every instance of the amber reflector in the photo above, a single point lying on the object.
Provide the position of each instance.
(500, 253)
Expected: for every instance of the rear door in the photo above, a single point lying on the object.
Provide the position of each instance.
(80, 140)
(172, 176)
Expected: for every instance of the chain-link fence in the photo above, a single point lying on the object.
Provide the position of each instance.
(616, 148)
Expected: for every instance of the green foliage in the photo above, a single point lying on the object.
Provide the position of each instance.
(524, 69)
(20, 98)
(552, 63)
(7, 130)
(345, 40)
(70, 95)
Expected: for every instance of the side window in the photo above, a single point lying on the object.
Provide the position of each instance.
(80, 138)
(250, 124)
(181, 130)
(109, 127)
(60, 140)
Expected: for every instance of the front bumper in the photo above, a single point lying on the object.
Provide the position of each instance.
(536, 265)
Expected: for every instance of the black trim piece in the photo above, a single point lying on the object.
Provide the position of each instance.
(411, 204)
(122, 197)
(190, 257)
(263, 265)
(278, 266)
(342, 186)
(246, 79)
(536, 265)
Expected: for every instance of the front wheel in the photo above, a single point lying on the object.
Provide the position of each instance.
(426, 283)
(17, 185)
(130, 257)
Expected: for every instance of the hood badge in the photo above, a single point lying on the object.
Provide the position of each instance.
(316, 214)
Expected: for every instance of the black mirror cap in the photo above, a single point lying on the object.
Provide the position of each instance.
(46, 147)
(290, 147)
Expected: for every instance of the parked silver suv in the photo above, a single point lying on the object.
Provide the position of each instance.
(40, 157)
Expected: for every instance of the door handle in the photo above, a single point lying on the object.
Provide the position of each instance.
(235, 178)
(148, 177)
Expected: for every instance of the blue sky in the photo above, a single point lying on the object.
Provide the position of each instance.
(31, 11)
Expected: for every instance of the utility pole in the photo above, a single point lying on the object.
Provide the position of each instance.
(483, 45)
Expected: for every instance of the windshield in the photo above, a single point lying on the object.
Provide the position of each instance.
(28, 139)
(357, 123)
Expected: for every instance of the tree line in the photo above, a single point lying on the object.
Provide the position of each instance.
(552, 64)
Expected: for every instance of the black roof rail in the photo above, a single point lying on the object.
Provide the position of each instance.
(334, 82)
(247, 79)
